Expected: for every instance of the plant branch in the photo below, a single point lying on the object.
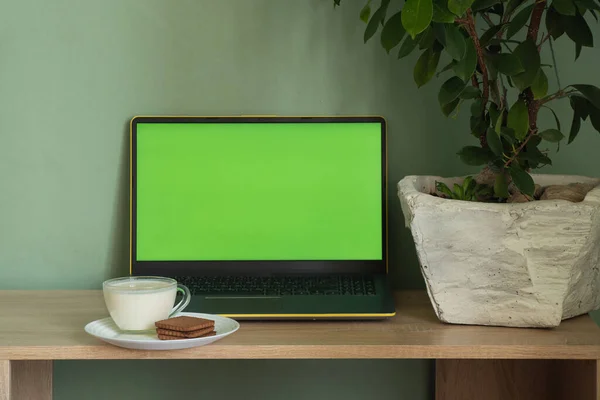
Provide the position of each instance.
(536, 19)
(519, 149)
(487, 19)
(543, 41)
(504, 97)
(533, 106)
(469, 24)
(558, 95)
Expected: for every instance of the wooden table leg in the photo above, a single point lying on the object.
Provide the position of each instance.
(25, 380)
(517, 379)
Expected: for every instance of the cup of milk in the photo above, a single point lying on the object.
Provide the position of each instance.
(135, 303)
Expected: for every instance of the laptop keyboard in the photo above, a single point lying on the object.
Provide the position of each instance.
(280, 286)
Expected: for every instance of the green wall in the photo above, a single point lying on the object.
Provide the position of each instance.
(72, 73)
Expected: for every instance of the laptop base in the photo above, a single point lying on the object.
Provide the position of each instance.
(379, 305)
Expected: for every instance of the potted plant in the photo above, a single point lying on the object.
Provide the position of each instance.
(507, 247)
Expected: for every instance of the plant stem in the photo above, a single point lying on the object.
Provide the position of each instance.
(469, 24)
(519, 149)
(536, 19)
(490, 23)
(558, 95)
(533, 106)
(543, 41)
(503, 99)
(554, 62)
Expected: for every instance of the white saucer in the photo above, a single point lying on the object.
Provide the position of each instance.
(105, 329)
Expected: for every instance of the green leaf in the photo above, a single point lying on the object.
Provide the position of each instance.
(450, 90)
(466, 66)
(474, 156)
(441, 13)
(476, 108)
(498, 121)
(508, 134)
(533, 142)
(494, 142)
(578, 30)
(509, 81)
(552, 135)
(426, 66)
(468, 184)
(512, 5)
(376, 19)
(448, 67)
(408, 45)
(519, 21)
(470, 187)
(555, 117)
(595, 118)
(392, 32)
(440, 32)
(554, 23)
(590, 92)
(534, 157)
(588, 4)
(565, 7)
(508, 64)
(470, 92)
(442, 187)
(365, 13)
(581, 105)
(427, 38)
(530, 59)
(478, 124)
(459, 191)
(582, 108)
(494, 113)
(455, 42)
(539, 86)
(575, 124)
(578, 49)
(522, 180)
(518, 119)
(459, 7)
(448, 108)
(491, 67)
(416, 16)
(501, 186)
(489, 34)
(479, 5)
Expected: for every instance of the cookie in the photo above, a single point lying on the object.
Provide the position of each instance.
(169, 337)
(191, 334)
(184, 323)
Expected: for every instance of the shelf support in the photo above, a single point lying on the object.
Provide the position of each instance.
(517, 379)
(25, 380)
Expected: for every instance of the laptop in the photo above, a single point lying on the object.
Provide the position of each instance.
(264, 217)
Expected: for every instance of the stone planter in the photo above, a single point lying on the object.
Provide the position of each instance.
(522, 265)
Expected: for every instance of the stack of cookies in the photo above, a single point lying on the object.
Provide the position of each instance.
(184, 327)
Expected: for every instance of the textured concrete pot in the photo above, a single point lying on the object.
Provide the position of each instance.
(522, 265)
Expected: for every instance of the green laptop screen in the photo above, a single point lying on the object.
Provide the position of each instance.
(258, 191)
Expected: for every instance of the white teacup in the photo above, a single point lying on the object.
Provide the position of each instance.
(135, 303)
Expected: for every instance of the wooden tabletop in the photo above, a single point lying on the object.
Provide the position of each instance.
(48, 325)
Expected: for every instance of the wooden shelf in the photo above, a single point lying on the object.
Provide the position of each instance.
(48, 325)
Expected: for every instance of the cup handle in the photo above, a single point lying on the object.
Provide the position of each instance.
(187, 296)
